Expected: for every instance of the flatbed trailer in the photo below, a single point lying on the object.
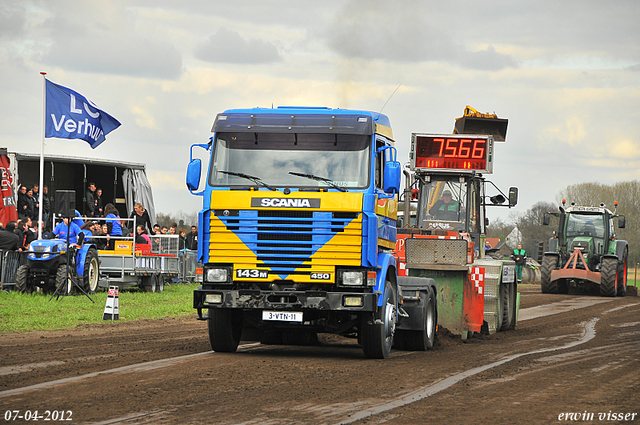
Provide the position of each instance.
(147, 266)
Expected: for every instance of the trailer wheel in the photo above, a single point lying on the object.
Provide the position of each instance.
(622, 275)
(150, 283)
(63, 279)
(22, 280)
(225, 329)
(160, 283)
(549, 263)
(608, 273)
(91, 272)
(378, 328)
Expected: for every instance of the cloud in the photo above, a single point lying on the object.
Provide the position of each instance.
(12, 21)
(228, 46)
(412, 33)
(103, 40)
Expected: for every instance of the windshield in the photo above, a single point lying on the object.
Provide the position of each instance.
(585, 225)
(319, 160)
(445, 202)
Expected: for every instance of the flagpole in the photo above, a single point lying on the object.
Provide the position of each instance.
(44, 122)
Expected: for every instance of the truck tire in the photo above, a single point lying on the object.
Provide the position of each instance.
(549, 263)
(423, 339)
(91, 272)
(62, 279)
(622, 275)
(225, 329)
(608, 274)
(22, 280)
(378, 328)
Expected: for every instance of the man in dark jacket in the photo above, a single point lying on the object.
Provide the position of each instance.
(191, 241)
(8, 239)
(91, 200)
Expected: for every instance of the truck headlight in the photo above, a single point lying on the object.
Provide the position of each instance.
(216, 275)
(213, 299)
(354, 278)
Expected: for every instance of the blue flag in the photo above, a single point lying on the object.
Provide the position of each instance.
(70, 115)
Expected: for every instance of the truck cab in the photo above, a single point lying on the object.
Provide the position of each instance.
(298, 226)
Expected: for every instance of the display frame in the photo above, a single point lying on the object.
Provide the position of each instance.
(455, 153)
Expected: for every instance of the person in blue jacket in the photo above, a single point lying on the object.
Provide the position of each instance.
(114, 225)
(62, 228)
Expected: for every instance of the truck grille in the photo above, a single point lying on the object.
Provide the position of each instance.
(286, 242)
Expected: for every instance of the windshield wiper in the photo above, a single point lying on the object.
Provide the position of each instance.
(256, 180)
(320, 179)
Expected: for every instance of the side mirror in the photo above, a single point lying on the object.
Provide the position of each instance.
(546, 219)
(513, 196)
(193, 174)
(392, 175)
(621, 222)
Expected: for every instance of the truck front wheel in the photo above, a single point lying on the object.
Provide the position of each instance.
(225, 329)
(22, 280)
(378, 329)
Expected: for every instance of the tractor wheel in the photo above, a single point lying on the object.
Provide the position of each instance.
(423, 339)
(549, 263)
(622, 275)
(225, 329)
(91, 272)
(509, 305)
(22, 280)
(500, 301)
(63, 279)
(608, 273)
(378, 328)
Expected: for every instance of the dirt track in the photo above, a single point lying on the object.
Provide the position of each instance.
(101, 374)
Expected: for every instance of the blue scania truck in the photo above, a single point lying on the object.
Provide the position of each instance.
(297, 231)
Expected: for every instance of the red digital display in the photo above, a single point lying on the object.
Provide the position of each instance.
(452, 152)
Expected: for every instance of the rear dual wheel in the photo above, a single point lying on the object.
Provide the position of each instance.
(423, 339)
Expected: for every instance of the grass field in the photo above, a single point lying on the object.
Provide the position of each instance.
(29, 312)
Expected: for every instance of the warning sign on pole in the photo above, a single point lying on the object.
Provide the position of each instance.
(112, 307)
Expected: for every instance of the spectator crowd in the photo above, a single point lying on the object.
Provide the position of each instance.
(17, 235)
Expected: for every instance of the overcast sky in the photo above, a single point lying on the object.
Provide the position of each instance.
(565, 73)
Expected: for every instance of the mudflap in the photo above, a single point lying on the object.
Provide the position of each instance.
(414, 296)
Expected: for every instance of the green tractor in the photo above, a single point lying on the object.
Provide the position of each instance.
(585, 252)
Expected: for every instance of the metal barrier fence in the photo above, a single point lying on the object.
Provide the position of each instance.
(189, 266)
(9, 262)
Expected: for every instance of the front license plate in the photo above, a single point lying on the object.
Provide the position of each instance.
(282, 316)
